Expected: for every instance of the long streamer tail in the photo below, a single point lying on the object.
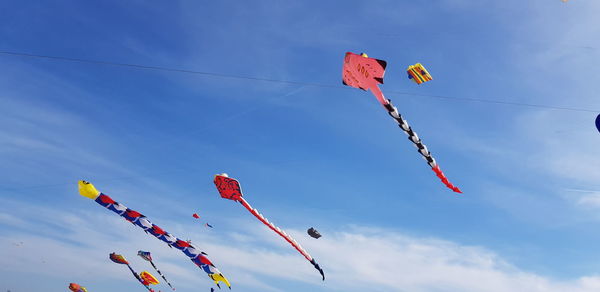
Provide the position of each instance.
(282, 233)
(412, 136)
(138, 278)
(161, 274)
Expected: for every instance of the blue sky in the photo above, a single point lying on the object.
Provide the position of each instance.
(326, 157)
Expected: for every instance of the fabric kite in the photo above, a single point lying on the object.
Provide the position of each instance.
(148, 257)
(598, 122)
(76, 288)
(148, 279)
(418, 73)
(208, 225)
(119, 259)
(313, 233)
(229, 188)
(88, 190)
(362, 72)
(195, 216)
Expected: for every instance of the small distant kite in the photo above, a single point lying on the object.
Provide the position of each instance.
(198, 257)
(418, 73)
(148, 257)
(313, 233)
(362, 72)
(76, 288)
(119, 259)
(198, 217)
(229, 188)
(598, 122)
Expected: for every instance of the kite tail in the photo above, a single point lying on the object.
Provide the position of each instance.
(161, 274)
(314, 263)
(379, 95)
(282, 233)
(138, 278)
(421, 148)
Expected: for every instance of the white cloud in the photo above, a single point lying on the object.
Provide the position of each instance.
(355, 259)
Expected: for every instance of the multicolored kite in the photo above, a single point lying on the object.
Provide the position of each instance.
(418, 73)
(119, 259)
(88, 190)
(76, 288)
(148, 279)
(362, 72)
(230, 188)
(148, 257)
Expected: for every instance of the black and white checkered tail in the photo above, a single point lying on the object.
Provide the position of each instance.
(421, 148)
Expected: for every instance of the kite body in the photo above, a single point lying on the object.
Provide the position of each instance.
(76, 288)
(229, 188)
(313, 233)
(148, 279)
(418, 73)
(353, 75)
(364, 73)
(598, 123)
(88, 190)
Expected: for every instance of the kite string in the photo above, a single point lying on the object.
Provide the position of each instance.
(221, 75)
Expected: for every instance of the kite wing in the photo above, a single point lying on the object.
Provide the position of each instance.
(88, 190)
(229, 188)
(146, 255)
(418, 73)
(195, 216)
(598, 123)
(354, 73)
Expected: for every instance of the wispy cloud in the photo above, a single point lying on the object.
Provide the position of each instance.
(354, 258)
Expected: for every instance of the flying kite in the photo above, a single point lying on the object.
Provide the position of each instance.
(119, 259)
(418, 73)
(208, 225)
(362, 72)
(148, 279)
(195, 216)
(313, 233)
(199, 258)
(76, 288)
(148, 257)
(229, 188)
(598, 122)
